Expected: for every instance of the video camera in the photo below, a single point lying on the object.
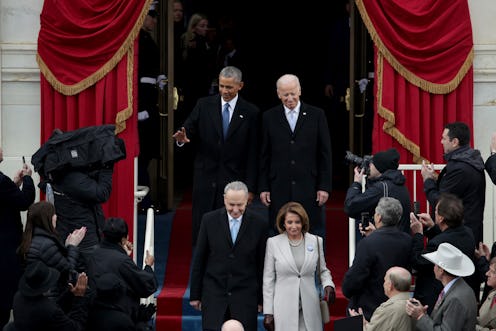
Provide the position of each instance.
(360, 162)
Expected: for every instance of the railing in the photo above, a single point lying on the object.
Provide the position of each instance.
(414, 179)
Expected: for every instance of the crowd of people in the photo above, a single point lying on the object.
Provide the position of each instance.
(77, 273)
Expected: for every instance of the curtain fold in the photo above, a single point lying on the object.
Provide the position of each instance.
(423, 72)
(87, 53)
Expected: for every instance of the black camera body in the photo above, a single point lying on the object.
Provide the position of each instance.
(360, 162)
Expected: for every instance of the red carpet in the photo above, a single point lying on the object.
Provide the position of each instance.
(170, 300)
(337, 251)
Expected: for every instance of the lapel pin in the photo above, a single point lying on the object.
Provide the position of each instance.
(310, 248)
(304, 113)
(240, 116)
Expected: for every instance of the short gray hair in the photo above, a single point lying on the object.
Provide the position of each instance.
(236, 186)
(288, 78)
(231, 72)
(390, 210)
(400, 278)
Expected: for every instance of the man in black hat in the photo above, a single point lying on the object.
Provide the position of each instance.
(384, 180)
(35, 310)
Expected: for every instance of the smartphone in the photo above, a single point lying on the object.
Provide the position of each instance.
(365, 220)
(416, 208)
(23, 160)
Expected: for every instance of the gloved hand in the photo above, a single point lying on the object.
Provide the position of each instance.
(330, 294)
(162, 81)
(268, 322)
(143, 115)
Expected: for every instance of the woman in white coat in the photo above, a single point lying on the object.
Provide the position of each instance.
(290, 297)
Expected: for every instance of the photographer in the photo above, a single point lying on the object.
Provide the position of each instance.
(383, 180)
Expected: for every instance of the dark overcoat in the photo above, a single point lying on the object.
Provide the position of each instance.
(220, 161)
(226, 275)
(12, 201)
(295, 165)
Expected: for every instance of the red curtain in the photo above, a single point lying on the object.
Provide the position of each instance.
(424, 77)
(87, 53)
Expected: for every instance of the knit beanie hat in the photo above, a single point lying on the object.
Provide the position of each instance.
(386, 160)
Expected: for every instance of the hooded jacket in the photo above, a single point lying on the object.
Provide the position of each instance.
(389, 184)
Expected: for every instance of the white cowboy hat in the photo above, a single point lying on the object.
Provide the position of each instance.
(452, 260)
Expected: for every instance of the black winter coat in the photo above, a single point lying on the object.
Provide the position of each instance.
(43, 314)
(111, 258)
(47, 247)
(78, 197)
(12, 201)
(464, 177)
(392, 184)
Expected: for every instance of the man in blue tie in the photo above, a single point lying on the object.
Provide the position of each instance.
(226, 277)
(223, 128)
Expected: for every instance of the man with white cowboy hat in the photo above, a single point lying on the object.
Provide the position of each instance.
(456, 307)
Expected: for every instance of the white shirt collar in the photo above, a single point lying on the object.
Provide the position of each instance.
(231, 103)
(231, 218)
(296, 109)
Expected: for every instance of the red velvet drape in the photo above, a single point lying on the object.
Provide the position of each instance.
(424, 77)
(87, 53)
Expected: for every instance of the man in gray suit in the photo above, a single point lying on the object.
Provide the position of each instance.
(456, 307)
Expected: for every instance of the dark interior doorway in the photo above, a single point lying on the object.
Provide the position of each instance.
(280, 37)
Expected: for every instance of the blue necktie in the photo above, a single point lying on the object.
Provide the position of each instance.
(234, 229)
(225, 119)
(292, 119)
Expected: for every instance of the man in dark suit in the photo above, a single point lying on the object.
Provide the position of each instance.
(221, 158)
(295, 163)
(380, 250)
(447, 227)
(226, 277)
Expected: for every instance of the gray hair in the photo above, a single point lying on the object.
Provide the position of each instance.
(286, 79)
(236, 186)
(231, 72)
(390, 210)
(400, 278)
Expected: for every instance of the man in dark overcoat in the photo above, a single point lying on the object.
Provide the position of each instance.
(295, 163)
(221, 159)
(226, 277)
(15, 195)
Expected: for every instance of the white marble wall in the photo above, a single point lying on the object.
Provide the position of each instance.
(19, 82)
(482, 14)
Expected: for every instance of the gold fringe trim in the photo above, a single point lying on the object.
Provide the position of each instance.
(390, 119)
(407, 74)
(104, 70)
(123, 115)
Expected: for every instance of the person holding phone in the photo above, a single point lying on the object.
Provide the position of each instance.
(15, 196)
(381, 249)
